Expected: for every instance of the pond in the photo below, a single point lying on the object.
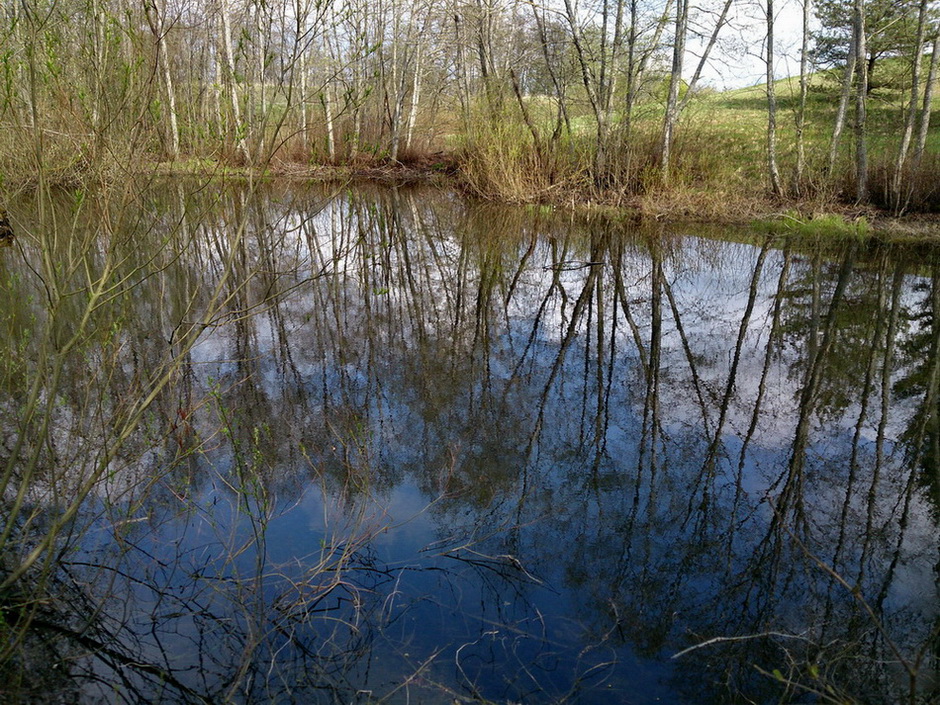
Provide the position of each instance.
(280, 444)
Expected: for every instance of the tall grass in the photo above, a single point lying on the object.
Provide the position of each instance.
(499, 159)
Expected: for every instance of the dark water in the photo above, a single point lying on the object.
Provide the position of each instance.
(391, 446)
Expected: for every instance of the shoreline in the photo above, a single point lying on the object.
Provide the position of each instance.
(678, 205)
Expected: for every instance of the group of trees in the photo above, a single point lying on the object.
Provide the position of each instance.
(333, 80)
(856, 37)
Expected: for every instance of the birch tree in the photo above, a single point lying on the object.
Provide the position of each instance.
(804, 92)
(675, 79)
(928, 97)
(848, 76)
(911, 114)
(229, 79)
(156, 21)
(773, 170)
(861, 104)
(401, 68)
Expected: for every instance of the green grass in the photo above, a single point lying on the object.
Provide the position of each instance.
(746, 108)
(828, 224)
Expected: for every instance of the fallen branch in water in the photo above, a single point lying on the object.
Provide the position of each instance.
(746, 637)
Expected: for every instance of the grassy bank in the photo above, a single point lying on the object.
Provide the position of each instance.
(685, 204)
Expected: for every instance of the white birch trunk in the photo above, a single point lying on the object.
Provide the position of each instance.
(675, 79)
(326, 97)
(911, 116)
(928, 100)
(155, 19)
(804, 92)
(842, 110)
(773, 170)
(415, 98)
(231, 88)
(861, 105)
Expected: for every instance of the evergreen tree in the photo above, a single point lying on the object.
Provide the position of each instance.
(891, 28)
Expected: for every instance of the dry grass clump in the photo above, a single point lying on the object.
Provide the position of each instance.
(500, 161)
(695, 204)
(918, 189)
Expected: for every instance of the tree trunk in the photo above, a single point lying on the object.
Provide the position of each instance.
(358, 71)
(911, 116)
(484, 42)
(526, 117)
(773, 171)
(298, 70)
(393, 98)
(155, 19)
(861, 98)
(98, 79)
(327, 99)
(843, 105)
(562, 118)
(415, 98)
(595, 97)
(610, 61)
(170, 99)
(631, 72)
(637, 62)
(463, 77)
(304, 122)
(928, 99)
(804, 91)
(675, 79)
(261, 43)
(230, 83)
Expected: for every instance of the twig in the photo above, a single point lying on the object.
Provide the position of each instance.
(746, 637)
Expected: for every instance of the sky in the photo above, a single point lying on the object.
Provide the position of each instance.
(737, 60)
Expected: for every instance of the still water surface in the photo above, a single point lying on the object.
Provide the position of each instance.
(399, 447)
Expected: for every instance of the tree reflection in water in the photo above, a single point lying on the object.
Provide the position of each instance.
(419, 448)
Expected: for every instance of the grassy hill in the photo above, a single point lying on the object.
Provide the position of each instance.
(733, 125)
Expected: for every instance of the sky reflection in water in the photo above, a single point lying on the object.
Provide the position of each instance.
(444, 451)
